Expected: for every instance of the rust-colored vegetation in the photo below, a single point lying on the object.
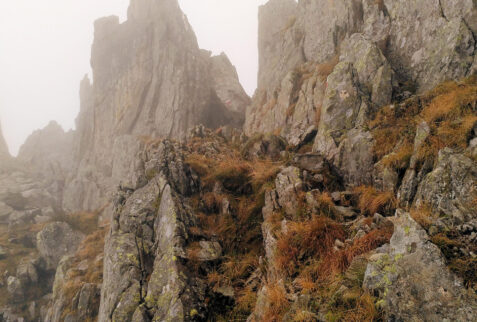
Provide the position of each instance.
(450, 110)
(311, 238)
(229, 210)
(90, 252)
(371, 201)
(278, 303)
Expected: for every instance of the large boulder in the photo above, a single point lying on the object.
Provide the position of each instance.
(395, 47)
(413, 281)
(451, 187)
(354, 160)
(15, 288)
(287, 186)
(87, 301)
(27, 273)
(413, 175)
(375, 74)
(56, 240)
(278, 42)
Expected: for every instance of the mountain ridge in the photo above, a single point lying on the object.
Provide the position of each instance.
(343, 190)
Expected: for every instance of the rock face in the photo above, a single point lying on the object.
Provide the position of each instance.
(228, 88)
(450, 187)
(413, 280)
(365, 53)
(421, 29)
(150, 79)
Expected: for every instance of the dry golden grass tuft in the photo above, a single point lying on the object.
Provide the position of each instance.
(311, 238)
(326, 206)
(371, 201)
(263, 174)
(199, 163)
(86, 222)
(364, 311)
(237, 268)
(340, 261)
(246, 300)
(278, 303)
(389, 127)
(400, 158)
(303, 316)
(450, 110)
(423, 216)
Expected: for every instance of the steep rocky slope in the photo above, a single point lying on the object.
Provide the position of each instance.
(350, 194)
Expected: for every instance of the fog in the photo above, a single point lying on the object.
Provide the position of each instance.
(45, 51)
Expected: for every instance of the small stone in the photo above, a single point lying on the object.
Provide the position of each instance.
(433, 230)
(210, 251)
(227, 291)
(359, 234)
(339, 243)
(15, 288)
(313, 162)
(336, 196)
(347, 212)
(3, 253)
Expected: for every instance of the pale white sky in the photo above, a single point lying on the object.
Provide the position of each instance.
(45, 50)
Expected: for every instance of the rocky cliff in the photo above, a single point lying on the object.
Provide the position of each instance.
(392, 48)
(150, 79)
(344, 190)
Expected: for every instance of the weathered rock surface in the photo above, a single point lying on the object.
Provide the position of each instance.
(267, 146)
(56, 240)
(148, 238)
(413, 281)
(15, 288)
(393, 47)
(228, 88)
(450, 187)
(426, 45)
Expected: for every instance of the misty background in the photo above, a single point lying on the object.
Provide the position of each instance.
(45, 48)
